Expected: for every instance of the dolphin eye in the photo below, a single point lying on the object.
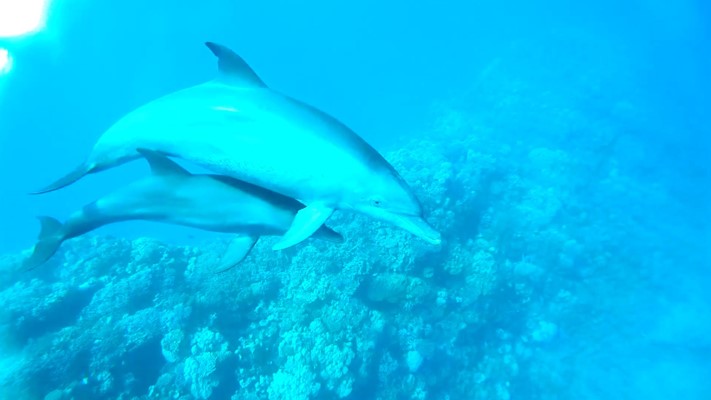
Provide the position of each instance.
(376, 202)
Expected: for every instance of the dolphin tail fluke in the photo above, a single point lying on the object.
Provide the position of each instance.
(66, 180)
(49, 240)
(329, 234)
(236, 252)
(307, 221)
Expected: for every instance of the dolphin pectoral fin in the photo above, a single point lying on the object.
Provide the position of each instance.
(236, 251)
(329, 234)
(161, 164)
(306, 222)
(66, 180)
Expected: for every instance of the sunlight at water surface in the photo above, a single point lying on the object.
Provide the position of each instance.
(21, 17)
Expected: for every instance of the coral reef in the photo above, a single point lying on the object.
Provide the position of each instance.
(540, 240)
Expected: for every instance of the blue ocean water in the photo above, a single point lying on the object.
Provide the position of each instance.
(561, 149)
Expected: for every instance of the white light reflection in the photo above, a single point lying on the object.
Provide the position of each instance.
(21, 17)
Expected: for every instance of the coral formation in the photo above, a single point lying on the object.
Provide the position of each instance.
(518, 296)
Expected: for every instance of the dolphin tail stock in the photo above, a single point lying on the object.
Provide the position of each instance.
(73, 176)
(306, 222)
(236, 252)
(48, 241)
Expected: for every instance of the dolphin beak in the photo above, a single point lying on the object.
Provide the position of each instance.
(420, 228)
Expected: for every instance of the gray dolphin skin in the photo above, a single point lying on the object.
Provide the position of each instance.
(236, 126)
(175, 196)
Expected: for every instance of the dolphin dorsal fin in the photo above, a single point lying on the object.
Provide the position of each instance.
(233, 69)
(162, 165)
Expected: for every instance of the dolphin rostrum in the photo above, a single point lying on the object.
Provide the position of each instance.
(236, 126)
(173, 195)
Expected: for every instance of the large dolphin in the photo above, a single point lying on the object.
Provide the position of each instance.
(173, 195)
(236, 126)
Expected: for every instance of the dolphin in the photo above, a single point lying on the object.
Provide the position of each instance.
(175, 196)
(236, 126)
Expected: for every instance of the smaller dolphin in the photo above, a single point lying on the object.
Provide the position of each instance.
(175, 196)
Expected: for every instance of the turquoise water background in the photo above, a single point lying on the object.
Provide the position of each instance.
(562, 149)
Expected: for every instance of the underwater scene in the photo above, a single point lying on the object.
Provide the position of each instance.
(355, 200)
